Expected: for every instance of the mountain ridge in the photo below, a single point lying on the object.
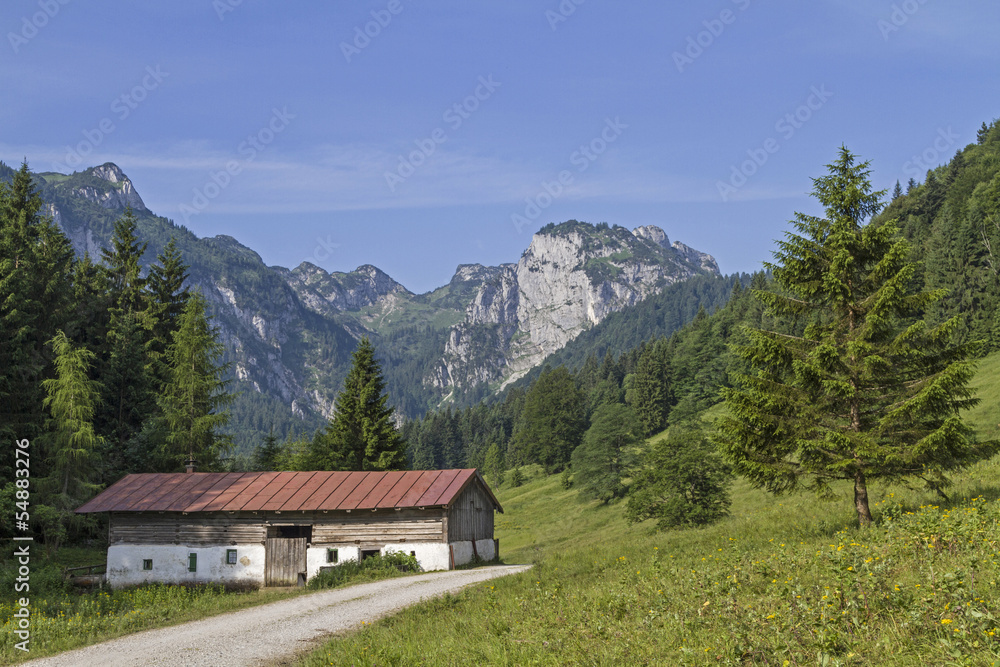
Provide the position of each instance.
(289, 332)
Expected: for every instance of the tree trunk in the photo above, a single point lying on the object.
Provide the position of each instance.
(861, 499)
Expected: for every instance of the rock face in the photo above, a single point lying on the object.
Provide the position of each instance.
(334, 292)
(123, 194)
(570, 278)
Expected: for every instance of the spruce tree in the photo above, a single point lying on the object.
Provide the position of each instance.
(127, 368)
(362, 434)
(267, 454)
(169, 296)
(195, 397)
(129, 396)
(897, 192)
(650, 394)
(36, 262)
(122, 266)
(865, 391)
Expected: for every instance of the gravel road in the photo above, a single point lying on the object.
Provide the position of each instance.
(263, 635)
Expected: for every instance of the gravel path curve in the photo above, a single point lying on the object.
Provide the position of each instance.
(262, 635)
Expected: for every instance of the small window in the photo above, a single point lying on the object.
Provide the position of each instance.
(192, 562)
(147, 563)
(231, 556)
(332, 556)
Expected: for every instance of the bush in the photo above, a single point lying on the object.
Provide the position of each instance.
(379, 566)
(682, 482)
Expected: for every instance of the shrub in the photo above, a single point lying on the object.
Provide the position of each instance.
(683, 482)
(379, 566)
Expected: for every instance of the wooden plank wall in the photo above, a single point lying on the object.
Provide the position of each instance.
(210, 529)
(333, 528)
(379, 528)
(470, 517)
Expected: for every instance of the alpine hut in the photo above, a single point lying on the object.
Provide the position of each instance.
(281, 528)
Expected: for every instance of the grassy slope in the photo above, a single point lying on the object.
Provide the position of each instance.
(783, 581)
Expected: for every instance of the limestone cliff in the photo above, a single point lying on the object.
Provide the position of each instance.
(570, 278)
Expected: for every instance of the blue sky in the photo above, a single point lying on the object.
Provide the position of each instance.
(288, 127)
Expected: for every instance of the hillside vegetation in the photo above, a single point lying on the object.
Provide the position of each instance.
(783, 581)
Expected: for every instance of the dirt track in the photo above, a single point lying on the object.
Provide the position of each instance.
(263, 635)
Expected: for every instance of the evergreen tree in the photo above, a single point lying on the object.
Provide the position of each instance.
(169, 296)
(89, 319)
(601, 461)
(129, 396)
(682, 481)
(650, 394)
(36, 261)
(552, 421)
(897, 192)
(126, 369)
(362, 434)
(70, 445)
(861, 394)
(194, 400)
(911, 185)
(493, 465)
(983, 132)
(122, 267)
(266, 455)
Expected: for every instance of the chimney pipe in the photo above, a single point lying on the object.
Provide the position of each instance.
(190, 465)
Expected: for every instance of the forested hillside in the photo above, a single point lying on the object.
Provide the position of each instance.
(952, 221)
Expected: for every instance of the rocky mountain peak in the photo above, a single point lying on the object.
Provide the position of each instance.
(110, 172)
(571, 277)
(652, 233)
(121, 194)
(334, 292)
(700, 259)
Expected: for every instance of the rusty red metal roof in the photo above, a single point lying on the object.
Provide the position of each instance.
(284, 491)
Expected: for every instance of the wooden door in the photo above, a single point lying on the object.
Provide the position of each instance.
(285, 555)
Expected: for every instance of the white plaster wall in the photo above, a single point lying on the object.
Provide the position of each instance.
(316, 558)
(487, 549)
(463, 552)
(170, 565)
(431, 556)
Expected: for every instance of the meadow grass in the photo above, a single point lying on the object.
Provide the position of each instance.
(63, 619)
(782, 581)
